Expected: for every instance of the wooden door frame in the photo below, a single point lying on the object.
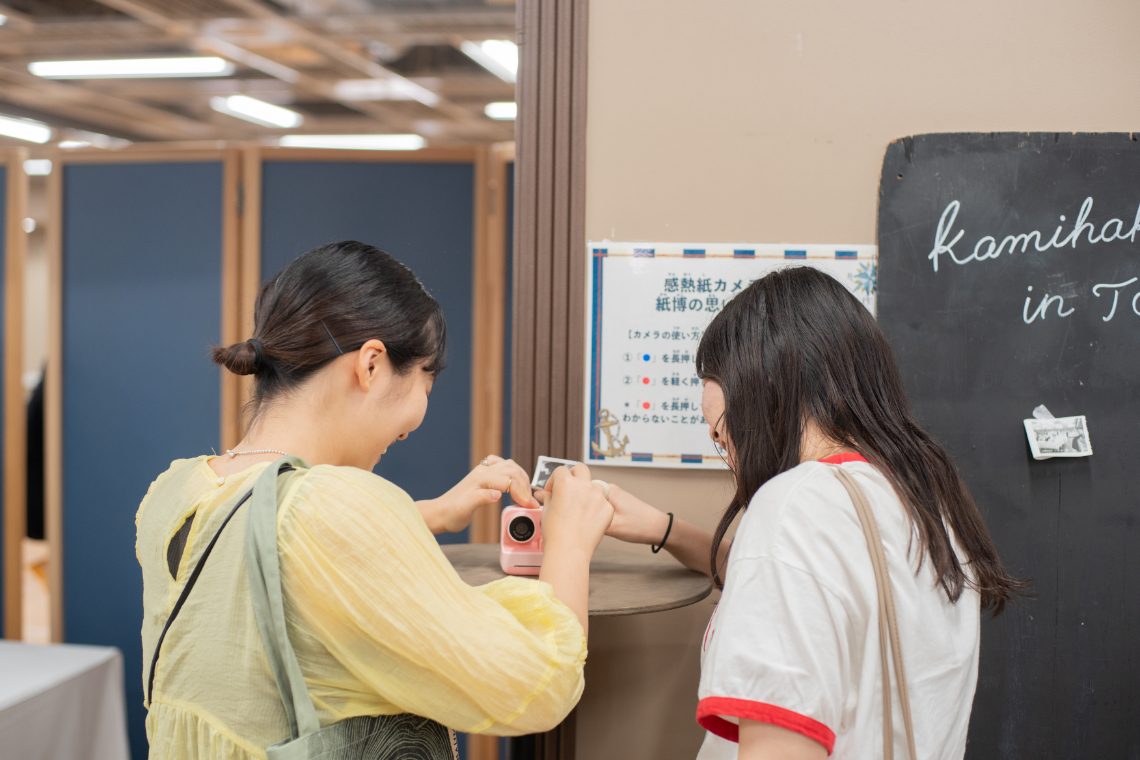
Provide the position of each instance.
(488, 303)
(236, 390)
(488, 341)
(240, 282)
(15, 409)
(53, 383)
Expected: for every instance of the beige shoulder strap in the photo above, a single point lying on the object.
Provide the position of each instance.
(888, 623)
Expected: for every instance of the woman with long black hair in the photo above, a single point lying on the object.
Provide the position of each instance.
(292, 596)
(802, 393)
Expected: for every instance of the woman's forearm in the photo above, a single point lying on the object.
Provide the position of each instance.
(638, 522)
(567, 570)
(691, 545)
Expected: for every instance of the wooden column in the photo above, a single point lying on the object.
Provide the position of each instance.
(15, 418)
(549, 330)
(547, 381)
(489, 303)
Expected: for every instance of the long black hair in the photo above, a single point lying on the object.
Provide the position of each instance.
(796, 346)
(330, 301)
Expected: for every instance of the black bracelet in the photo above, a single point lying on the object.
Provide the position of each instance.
(661, 545)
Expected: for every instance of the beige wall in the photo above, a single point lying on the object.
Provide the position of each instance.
(766, 122)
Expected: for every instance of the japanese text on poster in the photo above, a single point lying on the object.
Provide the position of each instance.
(648, 307)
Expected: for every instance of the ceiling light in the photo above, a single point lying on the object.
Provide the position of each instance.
(78, 138)
(353, 142)
(257, 111)
(3, 20)
(37, 167)
(22, 129)
(502, 111)
(126, 68)
(499, 57)
(394, 88)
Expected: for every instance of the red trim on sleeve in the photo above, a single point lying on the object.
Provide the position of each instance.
(710, 710)
(844, 457)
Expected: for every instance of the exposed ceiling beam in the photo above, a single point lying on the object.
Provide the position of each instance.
(16, 18)
(186, 32)
(260, 37)
(118, 114)
(338, 52)
(398, 28)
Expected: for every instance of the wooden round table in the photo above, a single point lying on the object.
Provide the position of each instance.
(621, 583)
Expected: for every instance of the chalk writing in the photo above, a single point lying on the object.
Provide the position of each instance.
(1083, 231)
(1046, 302)
(1115, 293)
(987, 246)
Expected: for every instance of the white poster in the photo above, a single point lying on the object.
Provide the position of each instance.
(648, 305)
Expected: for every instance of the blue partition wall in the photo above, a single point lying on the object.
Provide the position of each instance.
(423, 214)
(141, 305)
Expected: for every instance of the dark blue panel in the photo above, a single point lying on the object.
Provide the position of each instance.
(141, 305)
(423, 215)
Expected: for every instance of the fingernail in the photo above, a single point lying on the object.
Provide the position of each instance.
(498, 495)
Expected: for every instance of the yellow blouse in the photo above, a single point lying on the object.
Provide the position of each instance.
(380, 620)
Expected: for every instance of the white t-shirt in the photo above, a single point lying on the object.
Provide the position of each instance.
(795, 639)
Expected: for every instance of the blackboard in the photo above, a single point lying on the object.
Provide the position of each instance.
(142, 303)
(991, 248)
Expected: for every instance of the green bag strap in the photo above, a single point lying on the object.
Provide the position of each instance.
(264, 568)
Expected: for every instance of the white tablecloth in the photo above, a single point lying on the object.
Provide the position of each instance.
(62, 702)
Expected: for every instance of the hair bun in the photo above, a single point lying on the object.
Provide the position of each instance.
(243, 358)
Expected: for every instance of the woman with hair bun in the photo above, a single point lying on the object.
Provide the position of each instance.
(326, 615)
(802, 394)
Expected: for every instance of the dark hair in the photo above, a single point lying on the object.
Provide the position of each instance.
(332, 300)
(796, 345)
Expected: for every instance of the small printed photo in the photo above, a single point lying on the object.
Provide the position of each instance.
(1061, 437)
(546, 467)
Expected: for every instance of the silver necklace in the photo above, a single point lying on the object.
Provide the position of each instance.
(256, 451)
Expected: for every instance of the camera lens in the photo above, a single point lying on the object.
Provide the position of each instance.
(521, 529)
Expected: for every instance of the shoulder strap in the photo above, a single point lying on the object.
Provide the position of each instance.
(186, 593)
(264, 568)
(888, 623)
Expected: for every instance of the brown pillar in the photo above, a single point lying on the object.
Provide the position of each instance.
(550, 249)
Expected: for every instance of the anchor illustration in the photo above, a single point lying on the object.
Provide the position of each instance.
(609, 425)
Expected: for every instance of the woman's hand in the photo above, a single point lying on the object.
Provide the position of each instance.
(640, 523)
(573, 523)
(486, 484)
(577, 514)
(635, 521)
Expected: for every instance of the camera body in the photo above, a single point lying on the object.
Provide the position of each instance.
(520, 541)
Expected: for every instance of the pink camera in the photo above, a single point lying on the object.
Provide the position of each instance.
(520, 541)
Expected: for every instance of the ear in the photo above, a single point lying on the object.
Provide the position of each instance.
(371, 363)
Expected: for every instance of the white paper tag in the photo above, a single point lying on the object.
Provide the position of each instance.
(1057, 437)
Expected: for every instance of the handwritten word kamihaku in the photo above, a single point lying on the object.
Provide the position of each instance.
(989, 248)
